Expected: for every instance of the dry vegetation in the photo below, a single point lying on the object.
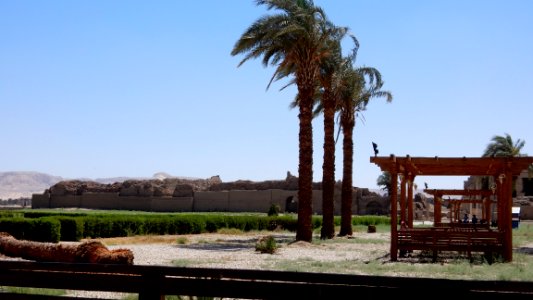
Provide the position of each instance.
(363, 253)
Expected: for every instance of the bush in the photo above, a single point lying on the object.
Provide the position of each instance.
(45, 229)
(15, 227)
(96, 227)
(159, 226)
(71, 228)
(214, 223)
(274, 210)
(285, 223)
(266, 245)
(370, 220)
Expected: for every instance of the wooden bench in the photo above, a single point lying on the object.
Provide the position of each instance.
(459, 239)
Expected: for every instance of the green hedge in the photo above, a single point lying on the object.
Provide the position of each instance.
(50, 227)
(71, 228)
(14, 226)
(46, 229)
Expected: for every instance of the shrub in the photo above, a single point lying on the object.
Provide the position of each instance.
(274, 210)
(45, 229)
(71, 228)
(266, 245)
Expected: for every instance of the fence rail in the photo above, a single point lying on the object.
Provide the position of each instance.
(154, 282)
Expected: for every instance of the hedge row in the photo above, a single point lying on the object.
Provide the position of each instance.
(68, 228)
(50, 227)
(46, 229)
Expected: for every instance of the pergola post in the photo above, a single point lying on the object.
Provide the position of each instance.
(508, 204)
(394, 214)
(500, 206)
(410, 207)
(437, 212)
(403, 179)
(487, 209)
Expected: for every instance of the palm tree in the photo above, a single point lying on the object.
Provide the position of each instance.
(326, 102)
(358, 87)
(293, 40)
(328, 105)
(503, 146)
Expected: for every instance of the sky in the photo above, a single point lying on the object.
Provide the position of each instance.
(94, 89)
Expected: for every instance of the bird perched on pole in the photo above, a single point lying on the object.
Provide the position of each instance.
(376, 151)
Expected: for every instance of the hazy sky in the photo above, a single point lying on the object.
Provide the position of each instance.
(130, 88)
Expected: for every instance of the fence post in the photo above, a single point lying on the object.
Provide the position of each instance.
(151, 289)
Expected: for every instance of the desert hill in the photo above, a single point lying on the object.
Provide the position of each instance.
(14, 185)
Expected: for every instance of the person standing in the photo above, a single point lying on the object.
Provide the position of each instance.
(474, 219)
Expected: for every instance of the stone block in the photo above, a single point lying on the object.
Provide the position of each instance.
(183, 190)
(211, 201)
(100, 200)
(40, 201)
(172, 204)
(57, 201)
(250, 201)
(135, 203)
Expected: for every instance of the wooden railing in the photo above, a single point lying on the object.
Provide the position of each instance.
(153, 282)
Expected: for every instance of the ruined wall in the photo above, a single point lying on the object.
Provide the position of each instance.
(172, 195)
(40, 201)
(371, 203)
(211, 201)
(206, 201)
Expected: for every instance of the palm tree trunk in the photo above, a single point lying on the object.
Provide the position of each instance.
(347, 188)
(328, 168)
(87, 252)
(304, 231)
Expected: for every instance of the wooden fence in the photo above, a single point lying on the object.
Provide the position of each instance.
(153, 282)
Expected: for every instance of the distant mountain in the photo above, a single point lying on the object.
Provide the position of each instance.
(16, 185)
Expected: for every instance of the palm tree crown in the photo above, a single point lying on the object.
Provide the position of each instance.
(503, 146)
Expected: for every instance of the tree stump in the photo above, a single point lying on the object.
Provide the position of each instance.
(86, 252)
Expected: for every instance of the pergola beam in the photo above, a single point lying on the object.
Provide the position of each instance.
(453, 192)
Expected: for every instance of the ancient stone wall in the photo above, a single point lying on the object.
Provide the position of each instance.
(181, 195)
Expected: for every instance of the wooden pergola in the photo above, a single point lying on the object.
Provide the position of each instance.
(438, 195)
(502, 169)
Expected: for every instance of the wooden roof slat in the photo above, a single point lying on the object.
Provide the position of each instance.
(453, 166)
(453, 192)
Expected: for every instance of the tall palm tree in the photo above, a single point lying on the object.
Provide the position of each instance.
(293, 39)
(359, 86)
(328, 104)
(503, 146)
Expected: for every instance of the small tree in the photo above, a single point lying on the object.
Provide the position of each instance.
(274, 210)
(384, 180)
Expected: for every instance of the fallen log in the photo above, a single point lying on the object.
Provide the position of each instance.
(85, 252)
